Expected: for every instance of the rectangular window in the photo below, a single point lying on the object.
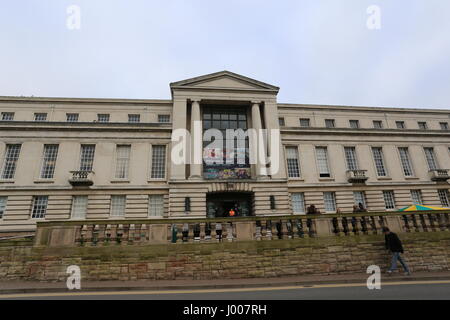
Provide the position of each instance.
(298, 202)
(103, 117)
(389, 200)
(281, 122)
(292, 162)
(305, 123)
(405, 159)
(40, 117)
(354, 124)
(72, 117)
(329, 199)
(118, 206)
(163, 118)
(360, 197)
(322, 162)
(79, 207)
(431, 158)
(329, 123)
(378, 124)
(158, 162)
(156, 205)
(400, 124)
(3, 201)
(87, 157)
(416, 196)
(134, 118)
(49, 161)
(443, 197)
(122, 161)
(422, 125)
(10, 162)
(350, 157)
(7, 116)
(39, 208)
(379, 161)
(444, 125)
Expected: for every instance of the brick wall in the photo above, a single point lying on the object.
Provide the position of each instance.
(20, 260)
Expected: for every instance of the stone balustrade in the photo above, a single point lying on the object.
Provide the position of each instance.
(267, 228)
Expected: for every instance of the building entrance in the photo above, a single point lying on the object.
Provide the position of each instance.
(229, 204)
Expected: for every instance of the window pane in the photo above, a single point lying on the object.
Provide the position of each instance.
(389, 199)
(322, 161)
(292, 162)
(400, 124)
(329, 201)
(134, 118)
(354, 124)
(350, 157)
(3, 201)
(406, 162)
(103, 117)
(444, 197)
(163, 118)
(416, 196)
(87, 157)
(49, 161)
(444, 125)
(39, 207)
(72, 117)
(431, 159)
(122, 162)
(7, 116)
(281, 122)
(379, 161)
(360, 197)
(329, 123)
(79, 207)
(298, 202)
(377, 124)
(422, 125)
(118, 206)
(156, 205)
(158, 162)
(304, 123)
(40, 117)
(10, 162)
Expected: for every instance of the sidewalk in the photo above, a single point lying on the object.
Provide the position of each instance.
(10, 287)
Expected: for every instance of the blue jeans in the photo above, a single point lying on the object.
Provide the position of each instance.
(396, 256)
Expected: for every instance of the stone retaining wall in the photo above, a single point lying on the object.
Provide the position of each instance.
(318, 256)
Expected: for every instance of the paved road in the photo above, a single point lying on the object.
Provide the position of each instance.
(423, 290)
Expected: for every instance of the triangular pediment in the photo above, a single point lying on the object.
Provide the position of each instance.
(224, 80)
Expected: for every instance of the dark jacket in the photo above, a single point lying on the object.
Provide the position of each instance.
(393, 243)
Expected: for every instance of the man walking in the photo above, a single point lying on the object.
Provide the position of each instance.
(394, 244)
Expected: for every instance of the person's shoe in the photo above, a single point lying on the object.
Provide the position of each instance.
(389, 272)
(407, 273)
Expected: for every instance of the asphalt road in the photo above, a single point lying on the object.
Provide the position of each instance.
(422, 290)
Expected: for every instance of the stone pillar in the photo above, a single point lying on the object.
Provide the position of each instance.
(277, 168)
(196, 141)
(257, 142)
(179, 115)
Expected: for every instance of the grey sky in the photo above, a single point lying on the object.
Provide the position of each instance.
(317, 51)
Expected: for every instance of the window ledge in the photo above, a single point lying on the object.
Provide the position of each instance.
(157, 180)
(412, 178)
(120, 181)
(44, 181)
(296, 179)
(6, 180)
(326, 179)
(384, 178)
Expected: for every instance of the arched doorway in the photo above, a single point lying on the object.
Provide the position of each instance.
(227, 204)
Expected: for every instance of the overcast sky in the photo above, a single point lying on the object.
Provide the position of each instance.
(316, 51)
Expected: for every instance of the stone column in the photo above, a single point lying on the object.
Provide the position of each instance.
(257, 143)
(196, 141)
(179, 115)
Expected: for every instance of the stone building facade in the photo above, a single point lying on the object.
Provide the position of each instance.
(65, 158)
